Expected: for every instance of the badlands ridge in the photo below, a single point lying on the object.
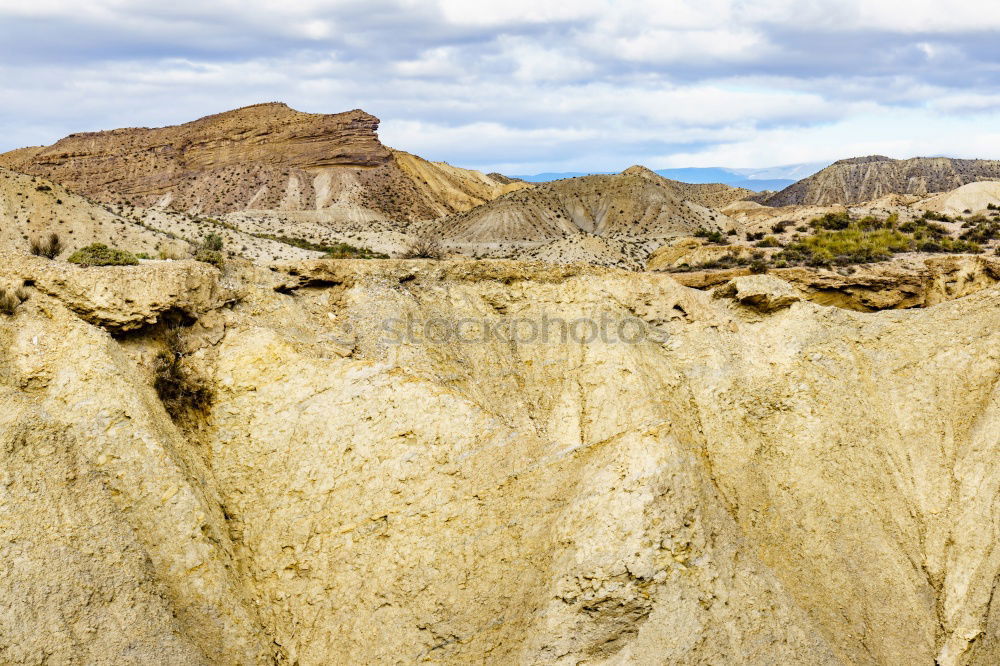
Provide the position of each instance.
(230, 462)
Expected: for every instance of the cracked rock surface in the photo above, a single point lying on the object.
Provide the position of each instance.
(810, 485)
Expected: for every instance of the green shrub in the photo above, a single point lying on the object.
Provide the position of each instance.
(980, 229)
(853, 245)
(100, 254)
(831, 221)
(207, 256)
(345, 251)
(949, 245)
(940, 217)
(209, 250)
(212, 243)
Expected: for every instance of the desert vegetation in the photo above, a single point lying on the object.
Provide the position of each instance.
(179, 390)
(209, 250)
(838, 239)
(424, 248)
(11, 298)
(47, 246)
(99, 254)
(334, 251)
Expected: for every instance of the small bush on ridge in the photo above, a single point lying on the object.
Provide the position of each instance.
(100, 254)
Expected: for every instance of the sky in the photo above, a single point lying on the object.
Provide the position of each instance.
(525, 86)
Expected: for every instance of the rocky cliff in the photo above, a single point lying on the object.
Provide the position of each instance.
(266, 156)
(750, 477)
(868, 178)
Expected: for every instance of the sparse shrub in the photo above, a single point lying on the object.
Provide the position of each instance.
(48, 247)
(769, 241)
(758, 266)
(423, 248)
(346, 251)
(939, 217)
(212, 242)
(179, 391)
(210, 250)
(212, 257)
(980, 229)
(831, 221)
(100, 254)
(11, 298)
(336, 251)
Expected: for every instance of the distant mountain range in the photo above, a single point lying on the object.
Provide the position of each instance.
(758, 180)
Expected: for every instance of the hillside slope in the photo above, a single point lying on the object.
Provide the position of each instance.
(34, 208)
(266, 156)
(868, 178)
(750, 479)
(635, 204)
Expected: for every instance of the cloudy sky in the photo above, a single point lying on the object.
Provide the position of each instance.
(523, 86)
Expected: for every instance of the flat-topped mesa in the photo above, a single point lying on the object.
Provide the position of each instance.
(260, 157)
(269, 133)
(254, 144)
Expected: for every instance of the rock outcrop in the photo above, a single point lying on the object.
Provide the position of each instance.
(868, 178)
(125, 298)
(702, 481)
(910, 281)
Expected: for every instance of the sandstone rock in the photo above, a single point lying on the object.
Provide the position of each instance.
(908, 281)
(817, 487)
(124, 298)
(764, 293)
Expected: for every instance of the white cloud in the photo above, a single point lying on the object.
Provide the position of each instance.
(525, 84)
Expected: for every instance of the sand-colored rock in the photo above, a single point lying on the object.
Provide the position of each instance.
(684, 252)
(124, 298)
(974, 197)
(908, 281)
(808, 485)
(764, 293)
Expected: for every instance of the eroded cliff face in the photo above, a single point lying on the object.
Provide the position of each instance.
(758, 479)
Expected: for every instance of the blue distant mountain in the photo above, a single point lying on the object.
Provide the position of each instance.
(758, 180)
